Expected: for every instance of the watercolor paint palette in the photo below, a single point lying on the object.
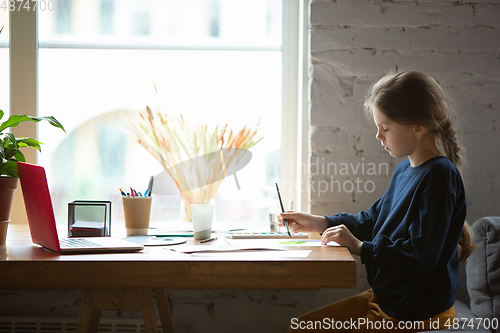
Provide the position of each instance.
(265, 235)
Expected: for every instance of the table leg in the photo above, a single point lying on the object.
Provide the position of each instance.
(88, 321)
(148, 310)
(164, 310)
(97, 300)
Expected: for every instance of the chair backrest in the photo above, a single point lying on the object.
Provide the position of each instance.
(483, 269)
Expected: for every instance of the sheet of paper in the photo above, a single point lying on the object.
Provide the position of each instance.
(183, 226)
(254, 254)
(277, 242)
(223, 248)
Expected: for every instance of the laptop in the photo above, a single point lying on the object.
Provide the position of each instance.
(42, 222)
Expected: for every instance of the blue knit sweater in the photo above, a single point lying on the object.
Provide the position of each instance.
(410, 238)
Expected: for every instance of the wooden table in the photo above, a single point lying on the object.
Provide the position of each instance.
(27, 266)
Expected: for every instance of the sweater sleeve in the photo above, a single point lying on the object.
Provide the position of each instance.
(418, 248)
(360, 225)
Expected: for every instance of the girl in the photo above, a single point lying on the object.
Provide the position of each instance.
(408, 238)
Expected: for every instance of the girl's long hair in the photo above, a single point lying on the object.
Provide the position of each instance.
(415, 98)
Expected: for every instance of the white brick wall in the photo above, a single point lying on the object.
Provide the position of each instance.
(354, 43)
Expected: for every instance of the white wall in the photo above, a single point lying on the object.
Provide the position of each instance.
(353, 44)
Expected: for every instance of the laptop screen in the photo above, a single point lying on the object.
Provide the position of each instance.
(38, 205)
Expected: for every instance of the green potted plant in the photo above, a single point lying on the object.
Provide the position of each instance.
(10, 154)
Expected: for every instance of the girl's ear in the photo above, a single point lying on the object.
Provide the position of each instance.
(419, 130)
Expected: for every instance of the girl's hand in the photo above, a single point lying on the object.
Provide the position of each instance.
(303, 222)
(343, 237)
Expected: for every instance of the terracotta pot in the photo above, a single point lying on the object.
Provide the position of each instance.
(7, 188)
(3, 231)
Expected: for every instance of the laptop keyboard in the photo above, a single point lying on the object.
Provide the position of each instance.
(77, 243)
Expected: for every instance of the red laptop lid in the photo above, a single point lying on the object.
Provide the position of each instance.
(38, 205)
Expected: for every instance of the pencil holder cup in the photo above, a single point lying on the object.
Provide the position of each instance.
(89, 218)
(136, 212)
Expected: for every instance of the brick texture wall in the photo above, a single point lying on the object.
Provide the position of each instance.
(353, 44)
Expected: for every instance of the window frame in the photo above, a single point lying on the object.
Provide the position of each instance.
(295, 125)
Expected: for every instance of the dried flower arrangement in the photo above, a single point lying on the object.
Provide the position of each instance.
(197, 156)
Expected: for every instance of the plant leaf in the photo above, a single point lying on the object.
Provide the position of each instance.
(10, 152)
(15, 120)
(29, 142)
(11, 138)
(19, 157)
(9, 168)
(6, 142)
(53, 121)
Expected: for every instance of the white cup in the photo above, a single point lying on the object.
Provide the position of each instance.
(202, 215)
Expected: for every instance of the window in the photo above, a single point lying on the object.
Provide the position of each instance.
(99, 58)
(4, 62)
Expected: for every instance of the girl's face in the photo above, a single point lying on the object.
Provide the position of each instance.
(399, 140)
